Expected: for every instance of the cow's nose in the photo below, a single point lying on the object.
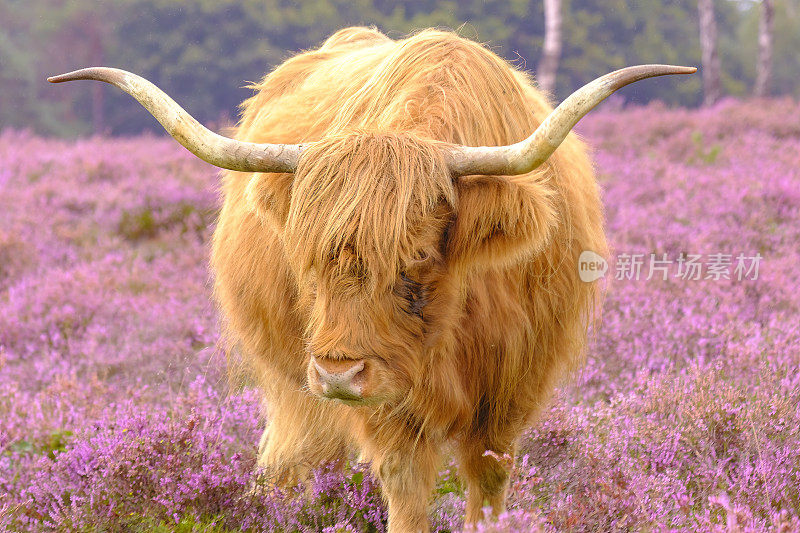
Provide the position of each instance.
(342, 379)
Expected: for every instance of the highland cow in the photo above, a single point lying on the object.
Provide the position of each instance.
(403, 277)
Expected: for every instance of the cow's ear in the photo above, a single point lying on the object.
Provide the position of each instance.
(267, 196)
(502, 220)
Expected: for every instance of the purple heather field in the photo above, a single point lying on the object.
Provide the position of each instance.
(116, 412)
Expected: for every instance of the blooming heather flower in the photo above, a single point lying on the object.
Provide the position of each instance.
(115, 412)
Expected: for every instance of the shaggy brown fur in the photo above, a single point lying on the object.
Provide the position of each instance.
(463, 294)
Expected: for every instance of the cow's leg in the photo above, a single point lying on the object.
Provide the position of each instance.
(407, 469)
(302, 433)
(485, 477)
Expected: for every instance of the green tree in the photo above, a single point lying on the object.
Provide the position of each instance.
(42, 38)
(204, 52)
(785, 59)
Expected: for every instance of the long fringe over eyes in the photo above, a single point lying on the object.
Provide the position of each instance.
(357, 203)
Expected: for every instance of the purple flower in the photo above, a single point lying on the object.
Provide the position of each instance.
(115, 412)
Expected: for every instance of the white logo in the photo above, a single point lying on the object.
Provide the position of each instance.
(591, 266)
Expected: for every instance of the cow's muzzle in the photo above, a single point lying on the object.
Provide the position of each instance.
(340, 379)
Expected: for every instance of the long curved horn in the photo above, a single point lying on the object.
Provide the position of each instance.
(526, 155)
(220, 151)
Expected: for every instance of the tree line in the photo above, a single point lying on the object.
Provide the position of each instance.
(205, 52)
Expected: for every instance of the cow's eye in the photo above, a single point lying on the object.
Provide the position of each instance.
(421, 257)
(414, 293)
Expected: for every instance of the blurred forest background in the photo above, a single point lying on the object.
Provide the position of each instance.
(204, 52)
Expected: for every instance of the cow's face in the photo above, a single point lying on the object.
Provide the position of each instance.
(381, 239)
(365, 237)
